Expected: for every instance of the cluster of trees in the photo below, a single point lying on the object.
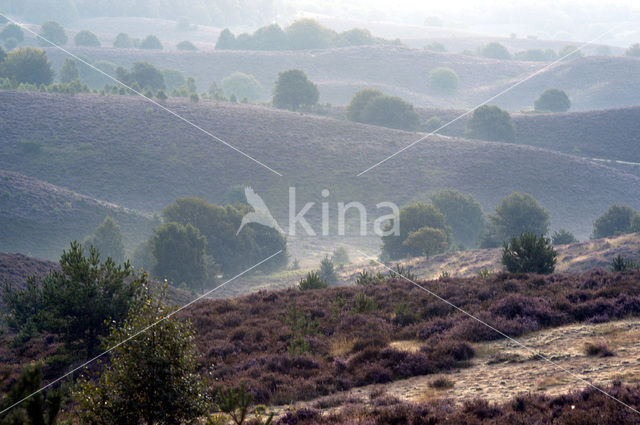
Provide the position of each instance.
(618, 219)
(371, 106)
(498, 51)
(301, 34)
(150, 42)
(28, 65)
(198, 240)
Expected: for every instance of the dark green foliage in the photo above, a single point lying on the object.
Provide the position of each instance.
(242, 85)
(619, 264)
(491, 123)
(428, 240)
(38, 409)
(390, 111)
(123, 41)
(186, 45)
(69, 71)
(616, 220)
(293, 89)
(359, 101)
(516, 214)
(152, 378)
(463, 215)
(308, 34)
(563, 237)
(226, 40)
(633, 50)
(151, 42)
(107, 239)
(53, 32)
(179, 252)
(495, 51)
(444, 80)
(327, 271)
(144, 74)
(271, 37)
(87, 39)
(412, 218)
(364, 304)
(570, 52)
(219, 224)
(27, 65)
(312, 281)
(536, 55)
(553, 100)
(76, 302)
(236, 402)
(12, 30)
(529, 254)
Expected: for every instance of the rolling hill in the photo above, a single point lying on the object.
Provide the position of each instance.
(591, 82)
(40, 219)
(122, 150)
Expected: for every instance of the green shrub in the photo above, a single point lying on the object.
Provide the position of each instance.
(186, 45)
(491, 123)
(619, 264)
(462, 214)
(390, 111)
(364, 304)
(495, 51)
(293, 90)
(529, 254)
(359, 101)
(27, 65)
(123, 41)
(312, 281)
(53, 32)
(444, 80)
(553, 100)
(616, 220)
(340, 256)
(12, 30)
(151, 42)
(563, 237)
(327, 271)
(242, 86)
(87, 39)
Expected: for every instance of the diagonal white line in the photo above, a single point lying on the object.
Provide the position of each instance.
(511, 87)
(531, 350)
(175, 114)
(136, 334)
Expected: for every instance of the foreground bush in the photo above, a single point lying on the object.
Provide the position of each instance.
(529, 254)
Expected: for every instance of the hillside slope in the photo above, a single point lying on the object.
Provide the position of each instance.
(126, 152)
(40, 219)
(592, 82)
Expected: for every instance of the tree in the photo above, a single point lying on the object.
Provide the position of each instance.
(27, 65)
(151, 42)
(144, 74)
(463, 215)
(529, 254)
(219, 224)
(173, 78)
(180, 255)
(69, 71)
(77, 301)
(87, 39)
(428, 240)
(491, 123)
(270, 37)
(354, 37)
(444, 80)
(390, 111)
(516, 214)
(553, 100)
(495, 51)
(123, 41)
(186, 45)
(569, 52)
(412, 218)
(53, 32)
(293, 89)
(563, 237)
(12, 30)
(309, 34)
(242, 85)
(107, 239)
(359, 101)
(616, 220)
(38, 409)
(633, 50)
(151, 378)
(226, 40)
(327, 271)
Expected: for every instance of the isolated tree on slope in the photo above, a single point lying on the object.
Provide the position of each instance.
(107, 239)
(293, 89)
(53, 32)
(428, 240)
(616, 220)
(553, 100)
(491, 123)
(87, 39)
